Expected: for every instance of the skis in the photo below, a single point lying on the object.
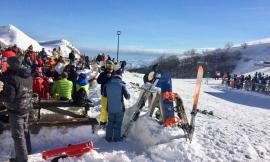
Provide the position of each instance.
(195, 102)
(208, 113)
(181, 113)
(76, 150)
(140, 104)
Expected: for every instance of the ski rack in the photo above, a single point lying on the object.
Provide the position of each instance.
(154, 97)
(139, 105)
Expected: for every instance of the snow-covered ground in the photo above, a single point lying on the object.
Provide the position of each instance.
(242, 133)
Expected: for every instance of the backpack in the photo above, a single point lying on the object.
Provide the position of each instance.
(80, 97)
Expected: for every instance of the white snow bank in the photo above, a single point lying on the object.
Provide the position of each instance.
(10, 35)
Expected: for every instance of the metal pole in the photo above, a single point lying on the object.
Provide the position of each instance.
(117, 47)
(118, 34)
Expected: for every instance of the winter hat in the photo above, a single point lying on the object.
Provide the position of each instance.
(82, 79)
(82, 76)
(14, 61)
(109, 65)
(116, 67)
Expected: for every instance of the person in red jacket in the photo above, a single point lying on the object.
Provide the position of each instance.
(103, 57)
(6, 54)
(30, 53)
(40, 86)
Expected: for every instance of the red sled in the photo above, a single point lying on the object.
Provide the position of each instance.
(76, 150)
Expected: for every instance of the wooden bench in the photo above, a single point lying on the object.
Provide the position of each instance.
(62, 108)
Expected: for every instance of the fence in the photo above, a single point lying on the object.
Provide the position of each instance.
(249, 86)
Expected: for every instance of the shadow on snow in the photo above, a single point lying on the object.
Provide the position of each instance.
(242, 98)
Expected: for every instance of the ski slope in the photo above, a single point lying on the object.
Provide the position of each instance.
(242, 133)
(254, 53)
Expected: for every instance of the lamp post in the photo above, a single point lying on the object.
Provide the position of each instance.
(118, 34)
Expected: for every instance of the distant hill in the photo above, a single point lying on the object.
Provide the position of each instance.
(237, 59)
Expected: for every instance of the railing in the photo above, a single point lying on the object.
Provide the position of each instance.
(249, 86)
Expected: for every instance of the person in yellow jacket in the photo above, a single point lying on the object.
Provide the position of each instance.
(102, 79)
(80, 96)
(82, 83)
(62, 89)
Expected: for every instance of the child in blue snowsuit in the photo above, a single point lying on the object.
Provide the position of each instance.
(115, 90)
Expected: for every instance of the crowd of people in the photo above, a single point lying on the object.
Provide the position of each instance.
(260, 82)
(24, 73)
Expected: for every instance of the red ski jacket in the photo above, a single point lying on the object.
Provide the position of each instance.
(41, 87)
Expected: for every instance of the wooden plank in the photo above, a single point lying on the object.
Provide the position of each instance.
(56, 103)
(80, 121)
(36, 125)
(64, 112)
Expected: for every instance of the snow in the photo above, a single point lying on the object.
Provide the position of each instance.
(10, 35)
(251, 55)
(66, 46)
(240, 132)
(260, 41)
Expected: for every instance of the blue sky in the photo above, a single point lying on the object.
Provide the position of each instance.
(145, 24)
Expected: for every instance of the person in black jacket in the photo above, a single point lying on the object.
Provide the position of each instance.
(148, 77)
(17, 93)
(71, 56)
(102, 79)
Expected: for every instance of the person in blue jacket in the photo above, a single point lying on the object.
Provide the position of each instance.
(115, 90)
